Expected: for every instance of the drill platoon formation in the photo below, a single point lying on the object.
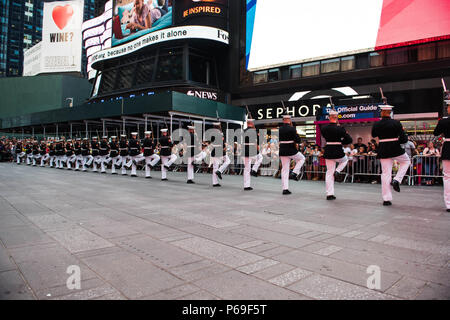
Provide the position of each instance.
(128, 154)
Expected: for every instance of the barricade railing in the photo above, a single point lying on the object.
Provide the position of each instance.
(425, 168)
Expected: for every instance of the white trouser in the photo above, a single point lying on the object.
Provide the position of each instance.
(386, 175)
(286, 162)
(70, 160)
(44, 158)
(61, 159)
(52, 159)
(115, 161)
(133, 161)
(78, 159)
(216, 162)
(257, 160)
(87, 160)
(36, 157)
(446, 170)
(124, 161)
(19, 157)
(150, 161)
(331, 168)
(103, 160)
(29, 157)
(190, 164)
(96, 161)
(167, 161)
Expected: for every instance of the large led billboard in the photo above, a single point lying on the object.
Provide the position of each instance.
(286, 32)
(135, 18)
(61, 36)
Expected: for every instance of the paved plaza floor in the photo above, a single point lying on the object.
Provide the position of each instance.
(136, 238)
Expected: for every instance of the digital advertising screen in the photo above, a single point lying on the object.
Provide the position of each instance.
(286, 32)
(135, 18)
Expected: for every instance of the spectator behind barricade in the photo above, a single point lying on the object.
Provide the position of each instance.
(308, 163)
(360, 144)
(409, 147)
(315, 162)
(431, 154)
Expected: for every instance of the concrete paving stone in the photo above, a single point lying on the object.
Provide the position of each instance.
(131, 275)
(433, 291)
(351, 234)
(236, 285)
(199, 295)
(51, 222)
(379, 248)
(97, 252)
(395, 265)
(180, 236)
(419, 245)
(108, 228)
(328, 250)
(323, 287)
(90, 294)
(30, 207)
(273, 271)
(314, 226)
(263, 224)
(366, 235)
(315, 246)
(160, 253)
(22, 236)
(276, 237)
(172, 221)
(290, 277)
(231, 238)
(257, 266)
(380, 238)
(189, 267)
(406, 288)
(5, 261)
(10, 220)
(323, 236)
(111, 296)
(274, 252)
(249, 244)
(310, 234)
(209, 221)
(204, 272)
(77, 239)
(223, 254)
(173, 293)
(439, 260)
(349, 272)
(262, 247)
(152, 229)
(12, 287)
(62, 290)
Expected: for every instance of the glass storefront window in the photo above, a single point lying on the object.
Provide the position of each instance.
(260, 77)
(426, 52)
(397, 56)
(348, 63)
(274, 74)
(443, 49)
(311, 69)
(295, 71)
(376, 59)
(332, 65)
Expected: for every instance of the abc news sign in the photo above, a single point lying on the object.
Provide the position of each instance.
(203, 93)
(211, 13)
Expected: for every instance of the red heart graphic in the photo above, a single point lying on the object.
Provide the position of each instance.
(61, 15)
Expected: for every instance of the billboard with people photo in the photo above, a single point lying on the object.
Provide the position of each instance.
(135, 18)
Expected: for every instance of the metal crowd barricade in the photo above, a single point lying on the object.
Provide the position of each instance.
(364, 166)
(425, 168)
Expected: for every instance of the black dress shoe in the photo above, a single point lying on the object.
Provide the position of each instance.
(133, 175)
(286, 191)
(248, 189)
(387, 203)
(113, 172)
(103, 172)
(448, 210)
(216, 185)
(167, 168)
(254, 173)
(331, 198)
(190, 182)
(395, 185)
(148, 177)
(164, 179)
(297, 177)
(219, 174)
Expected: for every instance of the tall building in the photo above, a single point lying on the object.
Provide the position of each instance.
(21, 28)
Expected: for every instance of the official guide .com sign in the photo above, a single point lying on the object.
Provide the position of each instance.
(61, 36)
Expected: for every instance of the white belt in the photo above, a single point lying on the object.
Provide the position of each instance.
(249, 144)
(283, 142)
(147, 148)
(447, 140)
(334, 143)
(388, 140)
(164, 147)
(216, 145)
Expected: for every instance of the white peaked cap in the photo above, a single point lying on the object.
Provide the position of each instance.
(105, 137)
(250, 120)
(286, 116)
(123, 135)
(191, 127)
(113, 137)
(147, 132)
(164, 130)
(386, 107)
(216, 123)
(333, 113)
(134, 134)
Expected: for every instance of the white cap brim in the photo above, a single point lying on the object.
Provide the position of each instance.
(147, 132)
(164, 130)
(386, 107)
